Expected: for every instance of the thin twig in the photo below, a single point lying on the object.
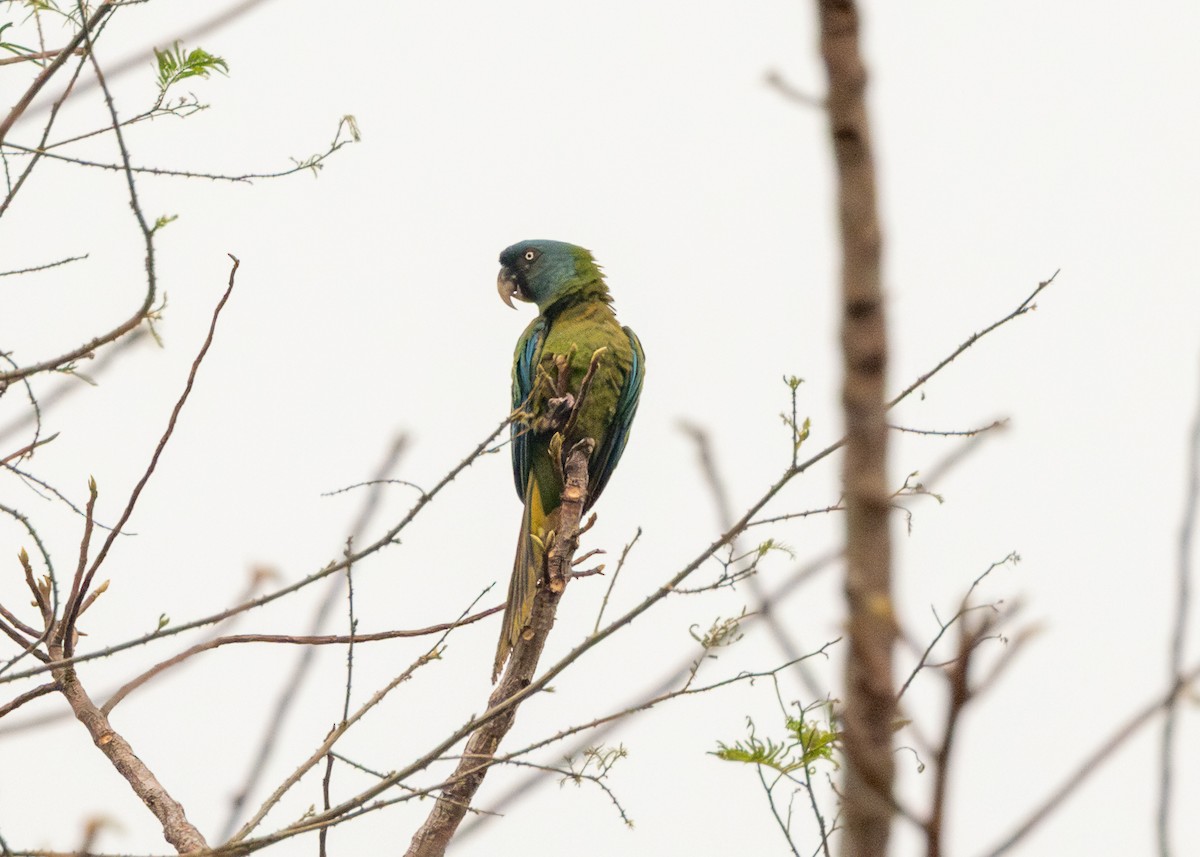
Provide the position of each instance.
(338, 731)
(65, 632)
(1026, 305)
(666, 690)
(960, 695)
(17, 624)
(791, 516)
(318, 640)
(49, 71)
(995, 424)
(293, 683)
(1183, 589)
(783, 826)
(245, 178)
(1105, 751)
(73, 605)
(29, 695)
(963, 607)
(143, 311)
(137, 59)
(612, 581)
(775, 80)
(15, 187)
(28, 448)
(385, 540)
(70, 384)
(803, 574)
(44, 267)
(789, 647)
(36, 55)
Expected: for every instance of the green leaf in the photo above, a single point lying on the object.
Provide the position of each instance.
(806, 744)
(817, 743)
(174, 65)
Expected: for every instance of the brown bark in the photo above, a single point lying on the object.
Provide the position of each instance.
(869, 697)
(451, 807)
(176, 828)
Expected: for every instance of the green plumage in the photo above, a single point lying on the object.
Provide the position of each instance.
(576, 322)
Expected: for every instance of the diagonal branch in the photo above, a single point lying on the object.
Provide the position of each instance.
(365, 801)
(451, 806)
(1104, 752)
(71, 612)
(144, 311)
(310, 640)
(180, 832)
(49, 71)
(1187, 534)
(293, 683)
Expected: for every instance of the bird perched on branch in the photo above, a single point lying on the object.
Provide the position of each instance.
(576, 374)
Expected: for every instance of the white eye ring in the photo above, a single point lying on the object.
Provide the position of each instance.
(530, 255)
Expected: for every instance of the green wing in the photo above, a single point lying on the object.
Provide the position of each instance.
(529, 353)
(604, 460)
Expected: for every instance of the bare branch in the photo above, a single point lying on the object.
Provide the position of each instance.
(143, 312)
(293, 683)
(44, 267)
(316, 640)
(219, 19)
(73, 604)
(29, 695)
(1104, 752)
(28, 448)
(49, 71)
(775, 80)
(448, 812)
(1187, 531)
(612, 581)
(963, 608)
(961, 694)
(36, 55)
(1026, 305)
(802, 574)
(337, 732)
(176, 828)
(309, 164)
(383, 541)
(788, 646)
(70, 384)
(995, 424)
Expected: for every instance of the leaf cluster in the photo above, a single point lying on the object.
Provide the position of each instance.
(176, 64)
(806, 743)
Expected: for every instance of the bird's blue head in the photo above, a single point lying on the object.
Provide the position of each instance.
(543, 272)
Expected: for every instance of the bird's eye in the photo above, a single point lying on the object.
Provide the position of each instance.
(530, 255)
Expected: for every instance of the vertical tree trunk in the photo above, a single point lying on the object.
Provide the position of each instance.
(869, 707)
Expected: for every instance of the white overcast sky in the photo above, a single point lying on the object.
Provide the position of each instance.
(1012, 140)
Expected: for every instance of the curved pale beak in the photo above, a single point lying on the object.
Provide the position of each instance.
(506, 285)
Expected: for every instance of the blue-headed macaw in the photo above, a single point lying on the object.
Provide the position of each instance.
(576, 322)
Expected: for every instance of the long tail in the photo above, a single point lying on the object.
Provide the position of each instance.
(527, 568)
